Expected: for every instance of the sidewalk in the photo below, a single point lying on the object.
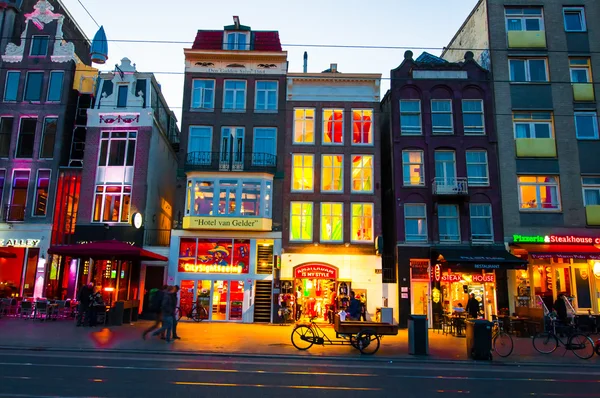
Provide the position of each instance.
(251, 339)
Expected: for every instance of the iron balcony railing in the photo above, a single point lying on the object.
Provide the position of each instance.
(227, 161)
(13, 213)
(157, 237)
(450, 186)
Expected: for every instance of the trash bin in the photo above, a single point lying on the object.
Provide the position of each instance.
(418, 335)
(479, 339)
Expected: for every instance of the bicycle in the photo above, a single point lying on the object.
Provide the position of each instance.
(548, 342)
(502, 342)
(197, 313)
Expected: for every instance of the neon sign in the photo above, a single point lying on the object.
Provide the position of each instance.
(477, 278)
(565, 239)
(19, 242)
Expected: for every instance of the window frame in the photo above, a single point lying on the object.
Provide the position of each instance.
(8, 73)
(36, 193)
(236, 44)
(109, 138)
(586, 187)
(352, 217)
(199, 127)
(333, 122)
(332, 216)
(587, 68)
(103, 193)
(235, 95)
(256, 162)
(406, 234)
(362, 123)
(201, 106)
(19, 132)
(575, 9)
(42, 140)
(27, 77)
(33, 38)
(12, 189)
(523, 17)
(442, 130)
(311, 223)
(528, 70)
(304, 119)
(352, 190)
(119, 97)
(457, 218)
(332, 168)
(538, 185)
(532, 122)
(480, 129)
(487, 168)
(60, 92)
(490, 217)
(411, 113)
(2, 186)
(293, 179)
(276, 90)
(595, 123)
(12, 127)
(409, 164)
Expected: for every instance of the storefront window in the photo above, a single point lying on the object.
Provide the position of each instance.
(11, 268)
(251, 199)
(224, 256)
(30, 272)
(582, 287)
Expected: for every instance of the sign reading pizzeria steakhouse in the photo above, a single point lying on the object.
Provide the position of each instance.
(558, 239)
(315, 271)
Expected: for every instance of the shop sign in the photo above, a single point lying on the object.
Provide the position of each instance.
(19, 242)
(225, 256)
(487, 266)
(437, 273)
(563, 239)
(228, 223)
(477, 278)
(315, 271)
(451, 278)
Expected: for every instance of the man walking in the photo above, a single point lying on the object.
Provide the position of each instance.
(84, 303)
(473, 307)
(174, 295)
(167, 311)
(154, 307)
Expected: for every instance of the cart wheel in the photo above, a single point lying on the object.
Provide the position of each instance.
(354, 343)
(367, 342)
(303, 337)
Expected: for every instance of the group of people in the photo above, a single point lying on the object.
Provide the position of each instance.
(472, 309)
(90, 304)
(163, 307)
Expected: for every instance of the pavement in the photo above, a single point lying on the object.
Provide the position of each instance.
(270, 341)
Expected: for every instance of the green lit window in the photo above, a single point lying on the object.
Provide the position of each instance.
(303, 172)
(301, 221)
(362, 173)
(362, 222)
(332, 215)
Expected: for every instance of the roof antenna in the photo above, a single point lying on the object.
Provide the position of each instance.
(236, 21)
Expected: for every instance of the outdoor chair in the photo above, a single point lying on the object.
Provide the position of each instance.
(26, 309)
(41, 310)
(60, 308)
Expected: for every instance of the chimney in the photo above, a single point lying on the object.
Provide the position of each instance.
(305, 68)
(236, 21)
(333, 68)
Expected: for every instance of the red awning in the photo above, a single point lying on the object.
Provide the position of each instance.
(106, 250)
(582, 252)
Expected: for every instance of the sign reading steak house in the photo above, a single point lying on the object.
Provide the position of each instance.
(568, 239)
(315, 271)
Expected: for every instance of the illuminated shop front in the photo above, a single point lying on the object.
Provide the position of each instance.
(567, 264)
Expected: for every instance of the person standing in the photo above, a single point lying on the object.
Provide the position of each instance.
(355, 307)
(167, 311)
(154, 307)
(473, 306)
(95, 303)
(298, 303)
(84, 303)
(332, 305)
(561, 308)
(174, 296)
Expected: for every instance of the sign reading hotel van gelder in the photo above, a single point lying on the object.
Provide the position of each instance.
(228, 223)
(315, 271)
(560, 239)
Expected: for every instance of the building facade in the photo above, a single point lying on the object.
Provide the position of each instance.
(441, 170)
(332, 190)
(545, 60)
(233, 125)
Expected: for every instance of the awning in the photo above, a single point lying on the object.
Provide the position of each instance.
(478, 257)
(106, 250)
(581, 252)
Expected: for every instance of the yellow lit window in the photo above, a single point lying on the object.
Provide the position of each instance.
(362, 222)
(302, 174)
(412, 168)
(539, 193)
(362, 127)
(301, 221)
(362, 173)
(304, 126)
(333, 126)
(332, 173)
(533, 125)
(581, 70)
(332, 215)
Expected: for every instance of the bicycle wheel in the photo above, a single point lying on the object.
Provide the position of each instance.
(503, 344)
(545, 343)
(367, 342)
(202, 314)
(581, 345)
(303, 337)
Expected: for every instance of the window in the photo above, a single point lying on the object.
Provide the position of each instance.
(12, 85)
(412, 168)
(122, 96)
(528, 70)
(2, 181)
(539, 193)
(362, 127)
(236, 41)
(55, 86)
(448, 223)
(362, 173)
(332, 173)
(266, 96)
(117, 148)
(203, 94)
(533, 125)
(333, 126)
(33, 86)
(201, 141)
(574, 19)
(265, 146)
(332, 216)
(524, 19)
(26, 138)
(301, 221)
(473, 120)
(39, 46)
(303, 172)
(18, 195)
(415, 222)
(41, 193)
(581, 70)
(477, 168)
(586, 125)
(6, 127)
(445, 168)
(227, 196)
(441, 116)
(362, 222)
(410, 117)
(234, 98)
(304, 126)
(112, 203)
(48, 138)
(591, 190)
(251, 191)
(481, 222)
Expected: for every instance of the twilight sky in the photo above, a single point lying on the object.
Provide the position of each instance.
(421, 24)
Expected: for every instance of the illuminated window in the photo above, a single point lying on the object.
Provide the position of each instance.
(48, 138)
(539, 193)
(2, 181)
(332, 175)
(574, 18)
(227, 191)
(448, 223)
(6, 127)
(203, 94)
(362, 127)
(40, 205)
(18, 196)
(234, 97)
(528, 70)
(477, 168)
(55, 86)
(26, 137)
(301, 221)
(304, 126)
(303, 172)
(410, 117)
(204, 196)
(581, 70)
(473, 120)
(415, 222)
(237, 41)
(441, 117)
(332, 215)
(533, 125)
(412, 168)
(362, 173)
(112, 203)
(39, 46)
(333, 126)
(266, 96)
(362, 222)
(11, 88)
(481, 222)
(586, 125)
(524, 19)
(591, 190)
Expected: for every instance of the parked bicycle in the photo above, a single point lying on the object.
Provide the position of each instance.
(579, 343)
(196, 313)
(502, 343)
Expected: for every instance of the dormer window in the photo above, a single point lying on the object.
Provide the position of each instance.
(122, 97)
(237, 41)
(39, 46)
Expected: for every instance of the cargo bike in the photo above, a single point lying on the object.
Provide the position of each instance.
(364, 336)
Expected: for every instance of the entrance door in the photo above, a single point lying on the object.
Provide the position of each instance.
(220, 302)
(232, 149)
(154, 280)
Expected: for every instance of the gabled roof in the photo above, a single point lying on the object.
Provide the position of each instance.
(427, 58)
(259, 40)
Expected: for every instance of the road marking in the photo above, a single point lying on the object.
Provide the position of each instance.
(274, 372)
(195, 383)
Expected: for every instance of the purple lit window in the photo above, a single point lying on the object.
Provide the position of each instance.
(41, 193)
(18, 197)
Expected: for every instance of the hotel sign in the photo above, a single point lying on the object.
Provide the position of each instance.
(228, 223)
(559, 239)
(19, 242)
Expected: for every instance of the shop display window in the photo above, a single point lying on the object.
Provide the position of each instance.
(225, 256)
(11, 269)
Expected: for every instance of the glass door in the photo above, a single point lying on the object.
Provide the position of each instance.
(203, 297)
(236, 300)
(232, 148)
(220, 303)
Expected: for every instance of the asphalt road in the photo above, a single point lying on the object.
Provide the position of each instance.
(63, 374)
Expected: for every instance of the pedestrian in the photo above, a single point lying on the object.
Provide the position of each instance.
(167, 311)
(96, 303)
(561, 308)
(154, 307)
(174, 296)
(354, 309)
(472, 307)
(84, 303)
(298, 303)
(332, 305)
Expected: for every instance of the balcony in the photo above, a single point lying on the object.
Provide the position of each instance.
(157, 237)
(592, 215)
(224, 161)
(583, 92)
(536, 147)
(526, 39)
(450, 186)
(14, 213)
